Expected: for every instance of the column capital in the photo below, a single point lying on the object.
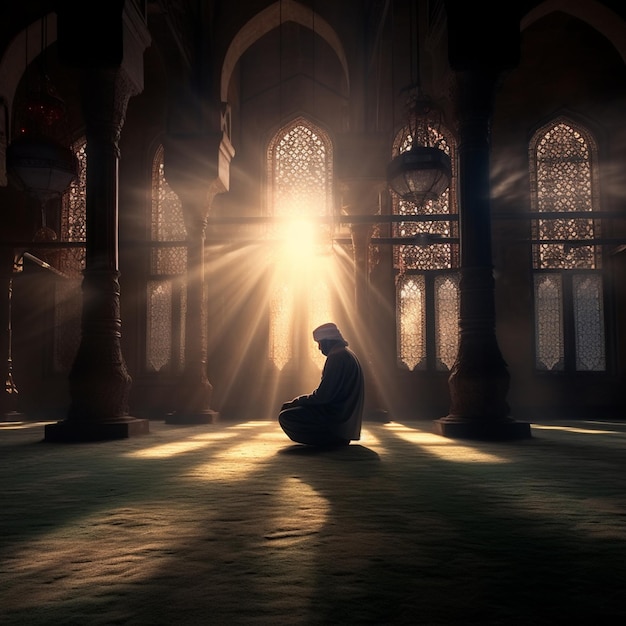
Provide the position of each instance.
(198, 165)
(105, 93)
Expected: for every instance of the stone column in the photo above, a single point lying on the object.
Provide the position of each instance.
(110, 72)
(361, 235)
(99, 380)
(197, 169)
(479, 379)
(9, 404)
(194, 389)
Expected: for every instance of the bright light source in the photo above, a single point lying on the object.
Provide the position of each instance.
(298, 245)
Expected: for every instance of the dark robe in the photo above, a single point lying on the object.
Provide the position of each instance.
(331, 414)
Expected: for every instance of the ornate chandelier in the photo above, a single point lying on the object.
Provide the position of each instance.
(422, 170)
(39, 159)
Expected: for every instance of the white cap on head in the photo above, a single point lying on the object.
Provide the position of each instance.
(328, 331)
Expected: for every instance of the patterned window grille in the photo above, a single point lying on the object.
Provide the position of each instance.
(567, 261)
(166, 288)
(299, 174)
(71, 262)
(427, 280)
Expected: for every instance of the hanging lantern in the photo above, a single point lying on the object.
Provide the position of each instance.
(37, 161)
(422, 169)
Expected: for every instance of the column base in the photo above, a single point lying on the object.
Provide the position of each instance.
(69, 431)
(487, 429)
(202, 417)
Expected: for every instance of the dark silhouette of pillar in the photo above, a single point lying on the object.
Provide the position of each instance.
(479, 380)
(99, 380)
(109, 75)
(10, 393)
(197, 169)
(194, 393)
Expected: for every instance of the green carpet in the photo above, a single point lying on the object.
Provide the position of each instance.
(231, 523)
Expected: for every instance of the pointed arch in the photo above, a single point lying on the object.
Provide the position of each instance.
(71, 263)
(569, 290)
(270, 18)
(165, 292)
(596, 14)
(299, 193)
(427, 279)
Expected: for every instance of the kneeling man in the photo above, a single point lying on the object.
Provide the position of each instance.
(332, 414)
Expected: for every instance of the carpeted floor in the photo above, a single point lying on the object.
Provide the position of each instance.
(231, 523)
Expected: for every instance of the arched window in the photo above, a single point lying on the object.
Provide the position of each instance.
(567, 261)
(427, 279)
(166, 293)
(300, 195)
(71, 262)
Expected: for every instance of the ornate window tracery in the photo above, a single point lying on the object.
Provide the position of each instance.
(166, 293)
(427, 281)
(71, 262)
(299, 162)
(567, 260)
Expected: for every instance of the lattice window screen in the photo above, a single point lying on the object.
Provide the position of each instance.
(564, 180)
(299, 167)
(71, 262)
(411, 339)
(447, 311)
(165, 289)
(589, 323)
(411, 321)
(549, 340)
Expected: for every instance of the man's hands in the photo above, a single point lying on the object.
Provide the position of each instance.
(290, 404)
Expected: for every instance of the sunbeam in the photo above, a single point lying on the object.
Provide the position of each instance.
(444, 448)
(276, 289)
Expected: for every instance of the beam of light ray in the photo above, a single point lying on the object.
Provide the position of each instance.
(368, 437)
(300, 291)
(213, 436)
(573, 429)
(235, 279)
(443, 448)
(237, 462)
(22, 425)
(177, 447)
(246, 281)
(298, 245)
(304, 288)
(251, 424)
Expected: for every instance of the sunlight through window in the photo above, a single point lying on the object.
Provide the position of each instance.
(445, 449)
(569, 322)
(300, 193)
(584, 431)
(179, 447)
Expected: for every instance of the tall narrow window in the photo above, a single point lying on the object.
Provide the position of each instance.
(71, 262)
(427, 280)
(300, 201)
(166, 291)
(567, 260)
